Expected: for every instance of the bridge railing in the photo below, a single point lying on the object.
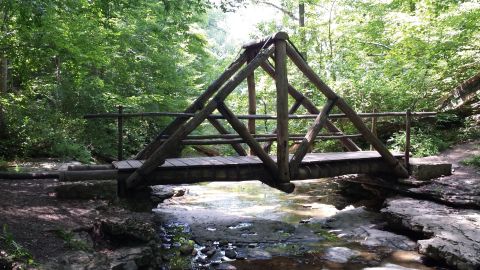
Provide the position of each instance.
(232, 139)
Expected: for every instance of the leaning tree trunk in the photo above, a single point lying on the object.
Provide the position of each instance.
(461, 98)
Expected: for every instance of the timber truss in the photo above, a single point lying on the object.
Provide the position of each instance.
(285, 167)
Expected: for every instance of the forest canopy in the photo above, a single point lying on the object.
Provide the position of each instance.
(63, 59)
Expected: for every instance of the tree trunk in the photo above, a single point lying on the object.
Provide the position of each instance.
(462, 96)
(3, 91)
(301, 24)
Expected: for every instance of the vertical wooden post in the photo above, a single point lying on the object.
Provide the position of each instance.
(408, 120)
(267, 145)
(252, 98)
(120, 133)
(281, 83)
(374, 127)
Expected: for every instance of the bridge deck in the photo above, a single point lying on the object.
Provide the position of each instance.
(240, 168)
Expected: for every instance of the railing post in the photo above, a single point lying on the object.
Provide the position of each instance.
(120, 133)
(408, 120)
(374, 127)
(252, 98)
(281, 83)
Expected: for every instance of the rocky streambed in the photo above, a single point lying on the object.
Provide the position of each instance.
(251, 226)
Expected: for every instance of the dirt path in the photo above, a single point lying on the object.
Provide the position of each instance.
(455, 155)
(34, 216)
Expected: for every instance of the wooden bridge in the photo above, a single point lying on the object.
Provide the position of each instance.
(154, 165)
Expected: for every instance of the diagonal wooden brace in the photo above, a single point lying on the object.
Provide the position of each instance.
(311, 108)
(242, 130)
(398, 168)
(309, 139)
(195, 106)
(222, 130)
(158, 157)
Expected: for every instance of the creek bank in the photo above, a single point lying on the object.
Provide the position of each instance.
(113, 243)
(452, 235)
(443, 212)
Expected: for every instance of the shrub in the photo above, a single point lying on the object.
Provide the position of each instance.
(473, 161)
(422, 142)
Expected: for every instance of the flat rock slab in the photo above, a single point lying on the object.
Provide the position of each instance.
(426, 170)
(365, 227)
(463, 192)
(453, 233)
(208, 226)
(451, 190)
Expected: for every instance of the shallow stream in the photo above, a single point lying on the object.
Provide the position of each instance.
(249, 225)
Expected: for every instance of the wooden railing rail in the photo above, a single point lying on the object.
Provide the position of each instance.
(257, 116)
(236, 139)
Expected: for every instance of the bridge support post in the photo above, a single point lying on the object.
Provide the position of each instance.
(267, 145)
(281, 83)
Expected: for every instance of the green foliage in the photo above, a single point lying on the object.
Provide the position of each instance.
(68, 150)
(15, 251)
(469, 130)
(473, 161)
(71, 242)
(70, 58)
(3, 164)
(422, 142)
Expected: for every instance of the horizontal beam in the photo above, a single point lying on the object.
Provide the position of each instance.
(258, 116)
(239, 140)
(236, 136)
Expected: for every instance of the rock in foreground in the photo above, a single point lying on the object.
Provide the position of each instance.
(453, 233)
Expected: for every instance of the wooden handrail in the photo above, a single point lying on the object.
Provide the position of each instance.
(235, 139)
(295, 139)
(258, 116)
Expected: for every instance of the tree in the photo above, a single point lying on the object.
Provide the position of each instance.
(68, 58)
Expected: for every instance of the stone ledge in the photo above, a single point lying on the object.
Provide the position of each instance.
(423, 170)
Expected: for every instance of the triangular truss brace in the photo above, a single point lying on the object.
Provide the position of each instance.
(283, 169)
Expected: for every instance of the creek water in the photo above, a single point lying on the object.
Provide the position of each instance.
(268, 229)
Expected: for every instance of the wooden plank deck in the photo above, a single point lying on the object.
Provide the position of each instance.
(242, 168)
(217, 162)
(214, 162)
